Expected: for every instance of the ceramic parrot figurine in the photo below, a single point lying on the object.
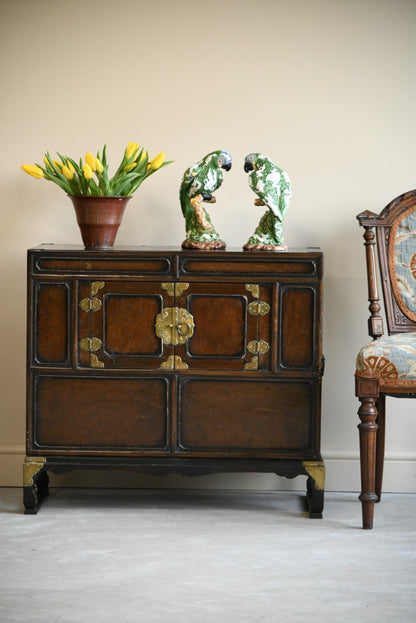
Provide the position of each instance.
(273, 189)
(199, 182)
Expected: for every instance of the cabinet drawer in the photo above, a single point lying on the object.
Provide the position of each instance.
(245, 264)
(246, 416)
(87, 414)
(88, 262)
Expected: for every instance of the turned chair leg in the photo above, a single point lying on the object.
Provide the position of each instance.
(368, 431)
(380, 443)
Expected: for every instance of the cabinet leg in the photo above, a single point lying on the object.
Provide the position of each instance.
(315, 487)
(35, 484)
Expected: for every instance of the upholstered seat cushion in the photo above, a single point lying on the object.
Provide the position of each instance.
(391, 358)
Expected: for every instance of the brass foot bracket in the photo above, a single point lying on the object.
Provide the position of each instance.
(35, 483)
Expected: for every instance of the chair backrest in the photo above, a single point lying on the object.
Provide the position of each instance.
(395, 238)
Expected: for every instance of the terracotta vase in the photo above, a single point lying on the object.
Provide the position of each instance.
(99, 219)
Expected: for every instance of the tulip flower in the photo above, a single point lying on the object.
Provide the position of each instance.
(131, 150)
(69, 174)
(157, 162)
(47, 165)
(89, 176)
(87, 171)
(90, 160)
(58, 165)
(33, 170)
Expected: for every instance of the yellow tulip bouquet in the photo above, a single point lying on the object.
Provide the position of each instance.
(89, 178)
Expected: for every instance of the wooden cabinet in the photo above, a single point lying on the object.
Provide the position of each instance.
(172, 361)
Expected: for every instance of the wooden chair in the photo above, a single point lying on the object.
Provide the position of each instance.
(386, 366)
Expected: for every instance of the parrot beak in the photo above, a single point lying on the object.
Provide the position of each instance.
(227, 166)
(248, 166)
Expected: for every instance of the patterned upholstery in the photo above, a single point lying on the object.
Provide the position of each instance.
(402, 263)
(391, 358)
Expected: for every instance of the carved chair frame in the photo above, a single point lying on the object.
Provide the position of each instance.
(380, 231)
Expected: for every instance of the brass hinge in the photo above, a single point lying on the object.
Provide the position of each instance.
(258, 308)
(261, 347)
(90, 344)
(174, 325)
(90, 304)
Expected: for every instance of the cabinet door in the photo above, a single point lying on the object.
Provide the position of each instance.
(247, 415)
(174, 325)
(299, 327)
(116, 324)
(100, 413)
(50, 326)
(230, 329)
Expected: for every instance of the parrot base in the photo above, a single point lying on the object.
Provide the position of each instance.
(203, 246)
(265, 247)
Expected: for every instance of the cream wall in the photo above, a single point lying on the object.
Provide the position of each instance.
(326, 88)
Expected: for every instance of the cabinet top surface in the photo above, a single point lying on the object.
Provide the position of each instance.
(169, 250)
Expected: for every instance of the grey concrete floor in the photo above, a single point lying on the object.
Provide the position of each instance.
(203, 557)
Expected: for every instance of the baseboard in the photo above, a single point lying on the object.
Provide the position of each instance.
(343, 471)
(342, 474)
(11, 464)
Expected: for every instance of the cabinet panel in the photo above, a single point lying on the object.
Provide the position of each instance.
(297, 329)
(51, 324)
(101, 413)
(220, 325)
(241, 415)
(122, 315)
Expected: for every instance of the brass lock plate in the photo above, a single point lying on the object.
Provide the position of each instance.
(174, 325)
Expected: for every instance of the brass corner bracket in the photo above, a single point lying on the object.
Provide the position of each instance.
(175, 288)
(173, 362)
(316, 470)
(32, 465)
(253, 364)
(254, 288)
